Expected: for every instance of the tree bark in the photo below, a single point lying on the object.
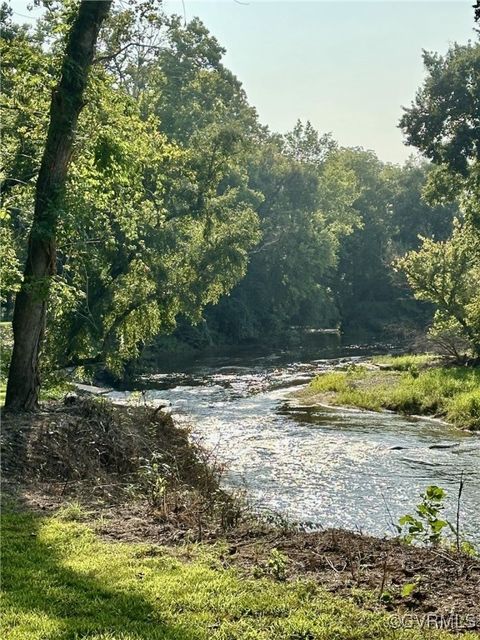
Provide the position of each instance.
(31, 302)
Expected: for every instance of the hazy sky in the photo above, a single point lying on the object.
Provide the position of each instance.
(346, 66)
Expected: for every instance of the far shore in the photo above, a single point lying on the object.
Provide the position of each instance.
(420, 386)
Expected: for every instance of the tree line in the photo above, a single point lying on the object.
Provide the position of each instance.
(154, 200)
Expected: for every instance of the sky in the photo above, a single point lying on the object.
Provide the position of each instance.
(348, 67)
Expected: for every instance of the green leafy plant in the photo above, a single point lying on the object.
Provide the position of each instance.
(427, 526)
(153, 482)
(277, 564)
(409, 588)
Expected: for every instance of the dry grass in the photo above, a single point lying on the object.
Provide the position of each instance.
(99, 453)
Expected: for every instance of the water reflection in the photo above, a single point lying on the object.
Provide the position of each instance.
(331, 467)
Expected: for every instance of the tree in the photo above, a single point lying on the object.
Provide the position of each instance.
(444, 120)
(305, 213)
(444, 123)
(151, 228)
(447, 274)
(31, 302)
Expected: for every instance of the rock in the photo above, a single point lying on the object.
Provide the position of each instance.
(70, 398)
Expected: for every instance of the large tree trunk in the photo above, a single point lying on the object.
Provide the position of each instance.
(30, 306)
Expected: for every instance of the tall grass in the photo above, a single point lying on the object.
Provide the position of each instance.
(450, 392)
(464, 409)
(403, 363)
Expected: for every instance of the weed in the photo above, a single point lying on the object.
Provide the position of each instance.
(72, 512)
(277, 564)
(427, 526)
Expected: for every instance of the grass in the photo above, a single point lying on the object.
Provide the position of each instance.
(464, 409)
(345, 388)
(56, 392)
(403, 363)
(449, 392)
(61, 583)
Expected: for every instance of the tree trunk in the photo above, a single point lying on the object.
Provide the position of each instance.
(31, 303)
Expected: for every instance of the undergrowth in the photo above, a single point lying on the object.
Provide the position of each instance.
(120, 454)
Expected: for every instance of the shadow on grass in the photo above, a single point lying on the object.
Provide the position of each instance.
(47, 600)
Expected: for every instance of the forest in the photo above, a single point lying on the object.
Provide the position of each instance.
(146, 213)
(183, 214)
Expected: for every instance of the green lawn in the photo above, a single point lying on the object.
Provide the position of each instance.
(403, 385)
(61, 583)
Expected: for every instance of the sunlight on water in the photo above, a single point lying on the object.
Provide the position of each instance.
(326, 467)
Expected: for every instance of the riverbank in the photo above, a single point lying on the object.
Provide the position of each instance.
(412, 385)
(116, 505)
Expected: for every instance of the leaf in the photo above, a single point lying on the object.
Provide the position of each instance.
(408, 589)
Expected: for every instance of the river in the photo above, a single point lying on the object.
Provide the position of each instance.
(322, 467)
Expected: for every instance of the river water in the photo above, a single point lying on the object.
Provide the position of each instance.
(319, 466)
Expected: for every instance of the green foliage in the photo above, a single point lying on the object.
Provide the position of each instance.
(443, 123)
(392, 213)
(444, 120)
(408, 589)
(305, 214)
(335, 381)
(404, 362)
(182, 210)
(151, 229)
(10, 274)
(464, 409)
(152, 479)
(344, 388)
(277, 564)
(6, 346)
(451, 392)
(60, 581)
(427, 526)
(447, 274)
